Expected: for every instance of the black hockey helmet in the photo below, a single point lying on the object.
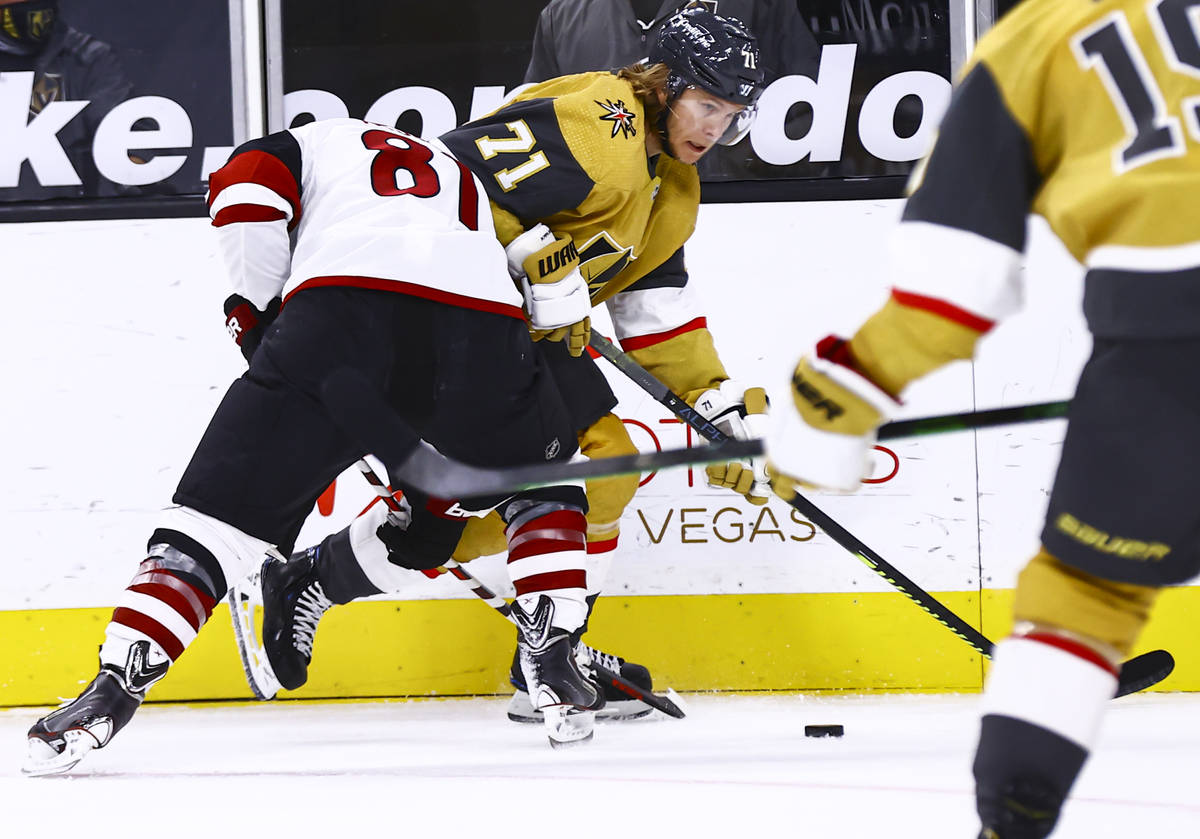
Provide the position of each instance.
(716, 54)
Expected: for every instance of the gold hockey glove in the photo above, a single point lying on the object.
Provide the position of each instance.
(741, 413)
(823, 428)
(557, 301)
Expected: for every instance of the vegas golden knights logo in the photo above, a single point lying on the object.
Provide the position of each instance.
(619, 115)
(601, 259)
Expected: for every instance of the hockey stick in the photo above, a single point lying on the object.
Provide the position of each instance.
(660, 703)
(360, 411)
(969, 420)
(1138, 673)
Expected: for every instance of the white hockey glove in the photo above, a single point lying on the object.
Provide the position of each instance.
(556, 295)
(741, 413)
(824, 424)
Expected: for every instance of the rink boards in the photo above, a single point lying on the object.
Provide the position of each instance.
(810, 642)
(710, 591)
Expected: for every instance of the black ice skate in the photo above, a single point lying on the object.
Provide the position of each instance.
(63, 737)
(1025, 809)
(288, 601)
(618, 706)
(557, 685)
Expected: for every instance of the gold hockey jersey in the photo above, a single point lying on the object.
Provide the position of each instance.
(1085, 113)
(571, 153)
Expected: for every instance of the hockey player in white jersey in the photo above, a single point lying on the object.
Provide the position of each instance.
(395, 273)
(607, 159)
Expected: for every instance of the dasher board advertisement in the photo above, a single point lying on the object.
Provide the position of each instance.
(116, 100)
(856, 90)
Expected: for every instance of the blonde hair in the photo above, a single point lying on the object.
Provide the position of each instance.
(647, 81)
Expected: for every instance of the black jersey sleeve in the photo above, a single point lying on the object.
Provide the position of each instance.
(670, 274)
(523, 160)
(981, 176)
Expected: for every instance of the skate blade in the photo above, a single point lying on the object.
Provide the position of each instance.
(41, 759)
(245, 610)
(521, 710)
(567, 725)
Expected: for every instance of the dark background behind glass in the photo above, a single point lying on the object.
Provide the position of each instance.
(361, 49)
(178, 50)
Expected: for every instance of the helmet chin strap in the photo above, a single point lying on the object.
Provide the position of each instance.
(660, 124)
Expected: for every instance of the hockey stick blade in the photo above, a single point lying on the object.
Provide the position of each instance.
(1144, 671)
(480, 590)
(658, 703)
(1138, 673)
(360, 411)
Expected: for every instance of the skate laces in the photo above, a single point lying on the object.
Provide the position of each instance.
(608, 661)
(310, 605)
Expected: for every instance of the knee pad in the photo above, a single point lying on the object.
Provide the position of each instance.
(220, 551)
(189, 559)
(1051, 594)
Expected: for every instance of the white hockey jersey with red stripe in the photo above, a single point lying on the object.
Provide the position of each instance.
(349, 203)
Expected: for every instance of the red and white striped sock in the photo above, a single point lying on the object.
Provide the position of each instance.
(547, 554)
(160, 607)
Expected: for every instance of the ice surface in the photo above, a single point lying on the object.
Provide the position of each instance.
(457, 767)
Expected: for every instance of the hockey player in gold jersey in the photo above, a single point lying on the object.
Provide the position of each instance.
(1082, 112)
(592, 174)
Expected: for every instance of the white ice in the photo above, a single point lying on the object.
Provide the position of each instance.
(736, 765)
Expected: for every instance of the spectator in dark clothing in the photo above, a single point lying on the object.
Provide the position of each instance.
(67, 66)
(578, 36)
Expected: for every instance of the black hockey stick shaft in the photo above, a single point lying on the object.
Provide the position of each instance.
(970, 420)
(646, 380)
(480, 590)
(1136, 674)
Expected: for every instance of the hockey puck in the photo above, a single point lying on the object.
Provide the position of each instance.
(824, 731)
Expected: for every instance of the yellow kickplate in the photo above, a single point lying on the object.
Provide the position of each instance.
(760, 642)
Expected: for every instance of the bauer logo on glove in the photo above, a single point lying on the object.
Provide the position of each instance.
(823, 429)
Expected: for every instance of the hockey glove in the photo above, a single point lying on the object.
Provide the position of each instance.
(422, 539)
(823, 429)
(556, 295)
(246, 324)
(741, 413)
